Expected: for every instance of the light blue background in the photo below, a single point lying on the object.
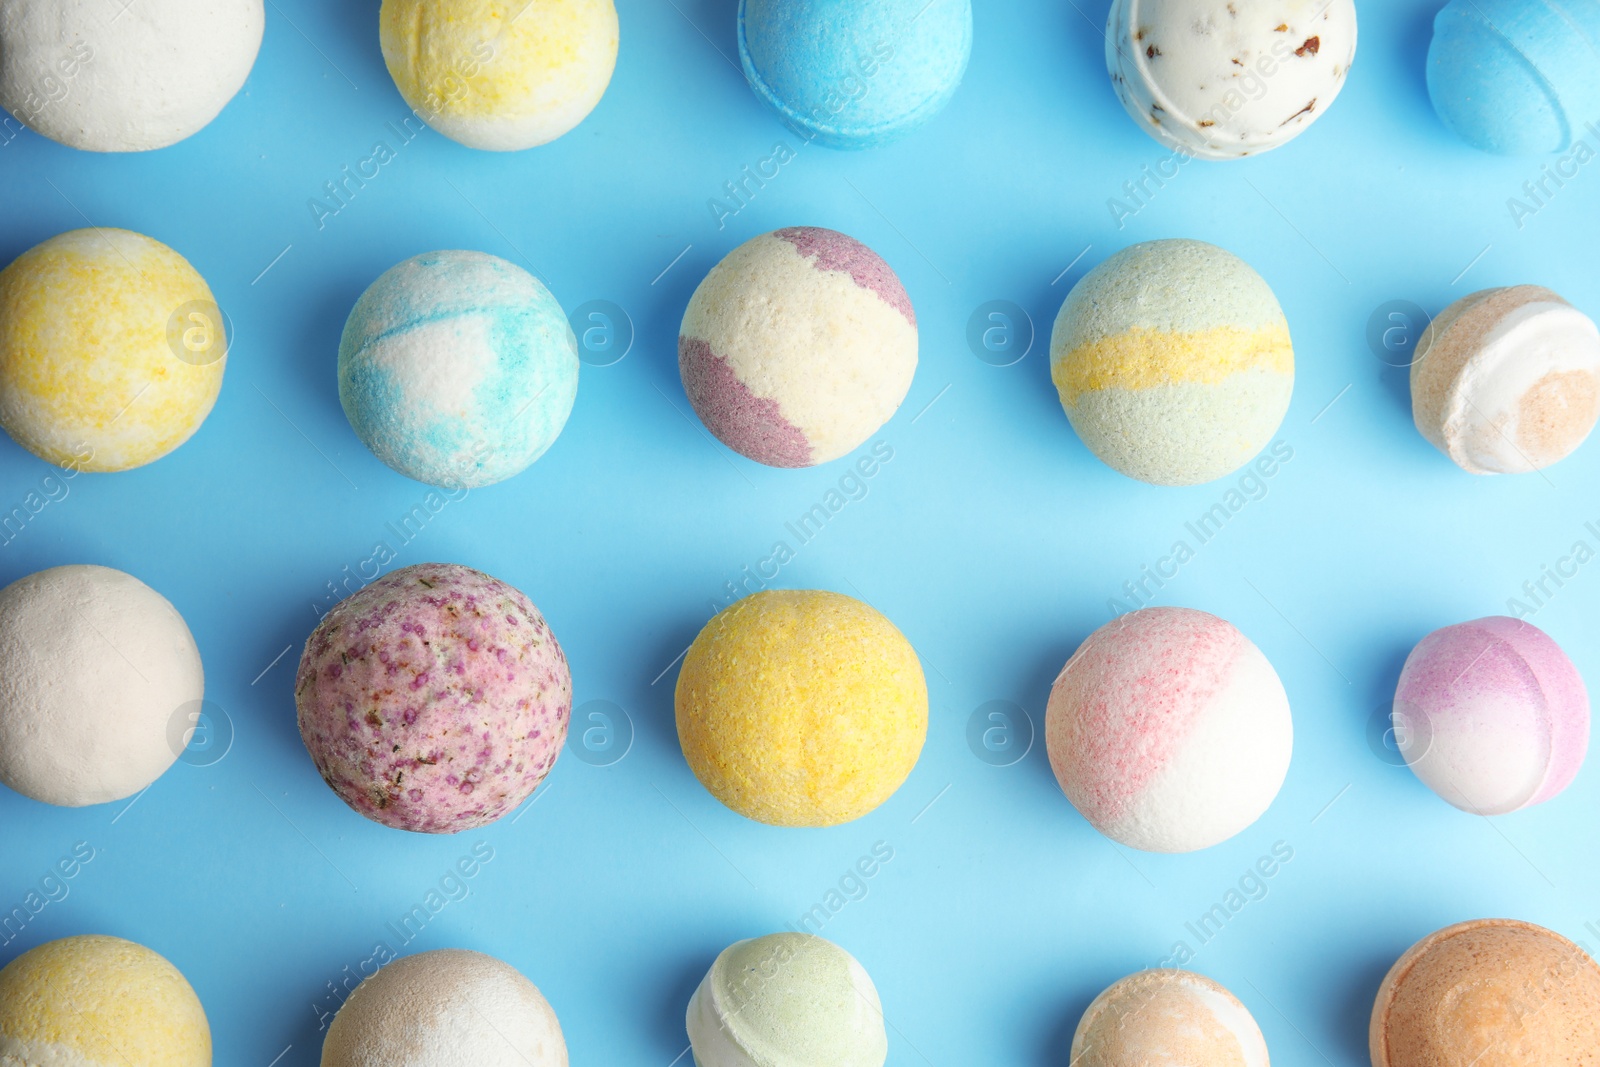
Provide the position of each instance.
(992, 538)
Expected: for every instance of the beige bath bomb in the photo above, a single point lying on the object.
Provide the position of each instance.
(1507, 380)
(447, 1008)
(1168, 1017)
(1489, 993)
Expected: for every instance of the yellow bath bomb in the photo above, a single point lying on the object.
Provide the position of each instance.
(500, 75)
(96, 1001)
(801, 708)
(111, 350)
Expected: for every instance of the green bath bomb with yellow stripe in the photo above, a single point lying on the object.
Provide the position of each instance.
(95, 1001)
(1173, 362)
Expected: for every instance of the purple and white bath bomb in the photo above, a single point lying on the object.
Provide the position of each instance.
(1168, 730)
(798, 346)
(435, 699)
(1492, 715)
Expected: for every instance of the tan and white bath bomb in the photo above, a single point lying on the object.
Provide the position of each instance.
(1168, 1017)
(124, 75)
(95, 669)
(1507, 380)
(446, 1008)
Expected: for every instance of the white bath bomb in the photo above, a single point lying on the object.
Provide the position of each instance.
(447, 1008)
(124, 75)
(95, 668)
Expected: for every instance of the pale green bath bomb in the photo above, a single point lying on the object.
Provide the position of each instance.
(1173, 362)
(787, 1000)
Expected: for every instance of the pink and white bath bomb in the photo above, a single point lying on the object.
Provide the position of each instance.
(798, 346)
(1492, 715)
(435, 699)
(1168, 730)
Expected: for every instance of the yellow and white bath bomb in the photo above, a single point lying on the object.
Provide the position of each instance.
(500, 75)
(94, 1001)
(111, 350)
(801, 708)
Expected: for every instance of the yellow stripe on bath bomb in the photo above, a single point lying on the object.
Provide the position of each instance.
(96, 1001)
(1142, 358)
(111, 350)
(500, 76)
(801, 708)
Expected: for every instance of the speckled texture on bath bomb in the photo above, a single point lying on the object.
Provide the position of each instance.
(84, 73)
(457, 369)
(1173, 362)
(446, 1008)
(1517, 77)
(1507, 380)
(436, 699)
(801, 708)
(1492, 715)
(798, 347)
(111, 350)
(500, 76)
(1488, 993)
(1214, 79)
(99, 682)
(1168, 1017)
(93, 1001)
(1168, 730)
(850, 74)
(787, 1000)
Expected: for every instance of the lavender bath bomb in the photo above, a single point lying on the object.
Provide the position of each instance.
(436, 699)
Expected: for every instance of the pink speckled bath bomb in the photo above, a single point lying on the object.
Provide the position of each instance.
(436, 699)
(1492, 715)
(798, 346)
(1169, 730)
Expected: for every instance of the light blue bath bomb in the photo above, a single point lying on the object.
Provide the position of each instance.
(855, 73)
(457, 369)
(1517, 77)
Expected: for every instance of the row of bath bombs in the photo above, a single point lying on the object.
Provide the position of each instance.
(796, 1000)
(1211, 79)
(1172, 359)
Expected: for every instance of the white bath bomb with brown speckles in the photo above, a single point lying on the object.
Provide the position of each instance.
(1168, 1017)
(124, 75)
(447, 1008)
(99, 680)
(1215, 79)
(1507, 380)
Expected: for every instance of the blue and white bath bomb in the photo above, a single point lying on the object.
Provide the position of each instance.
(855, 73)
(457, 369)
(1517, 77)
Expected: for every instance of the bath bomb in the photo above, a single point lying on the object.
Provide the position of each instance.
(801, 708)
(854, 74)
(457, 369)
(1168, 1017)
(500, 77)
(1173, 362)
(1492, 715)
(1507, 380)
(111, 350)
(446, 1008)
(435, 699)
(1168, 730)
(798, 347)
(1218, 80)
(1517, 77)
(787, 1000)
(93, 1001)
(97, 674)
(109, 76)
(1488, 993)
